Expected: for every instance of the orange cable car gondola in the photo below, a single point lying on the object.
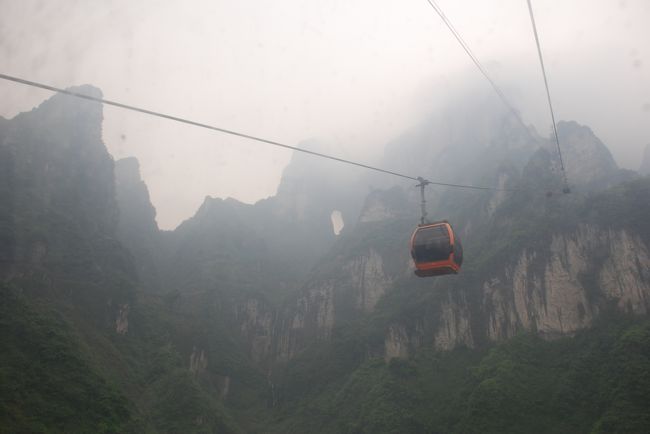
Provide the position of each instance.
(435, 248)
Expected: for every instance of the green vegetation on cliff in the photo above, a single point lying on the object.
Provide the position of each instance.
(595, 382)
(223, 326)
(50, 382)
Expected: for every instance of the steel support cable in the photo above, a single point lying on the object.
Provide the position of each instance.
(548, 96)
(242, 135)
(478, 64)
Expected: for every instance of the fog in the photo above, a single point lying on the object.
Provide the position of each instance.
(352, 74)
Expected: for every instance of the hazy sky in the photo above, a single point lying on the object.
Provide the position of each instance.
(353, 73)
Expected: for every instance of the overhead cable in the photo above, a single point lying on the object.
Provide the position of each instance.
(480, 67)
(238, 134)
(548, 96)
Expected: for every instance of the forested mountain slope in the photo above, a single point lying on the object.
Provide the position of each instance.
(83, 348)
(258, 318)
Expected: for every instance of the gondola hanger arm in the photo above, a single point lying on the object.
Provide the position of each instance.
(423, 183)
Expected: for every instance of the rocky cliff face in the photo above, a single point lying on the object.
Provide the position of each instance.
(256, 320)
(556, 283)
(362, 281)
(59, 214)
(239, 291)
(251, 266)
(238, 261)
(137, 228)
(554, 290)
(562, 290)
(350, 280)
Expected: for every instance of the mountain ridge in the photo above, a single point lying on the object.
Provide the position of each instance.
(258, 318)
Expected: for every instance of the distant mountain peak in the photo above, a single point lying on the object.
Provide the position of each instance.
(585, 156)
(71, 101)
(87, 89)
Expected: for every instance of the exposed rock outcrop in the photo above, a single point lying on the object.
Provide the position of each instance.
(311, 319)
(198, 361)
(256, 327)
(369, 281)
(554, 292)
(561, 291)
(122, 320)
(454, 326)
(396, 343)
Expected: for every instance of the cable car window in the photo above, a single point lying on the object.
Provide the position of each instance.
(432, 244)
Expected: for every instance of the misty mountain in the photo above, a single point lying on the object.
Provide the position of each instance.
(137, 229)
(60, 209)
(71, 361)
(644, 169)
(259, 318)
(66, 281)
